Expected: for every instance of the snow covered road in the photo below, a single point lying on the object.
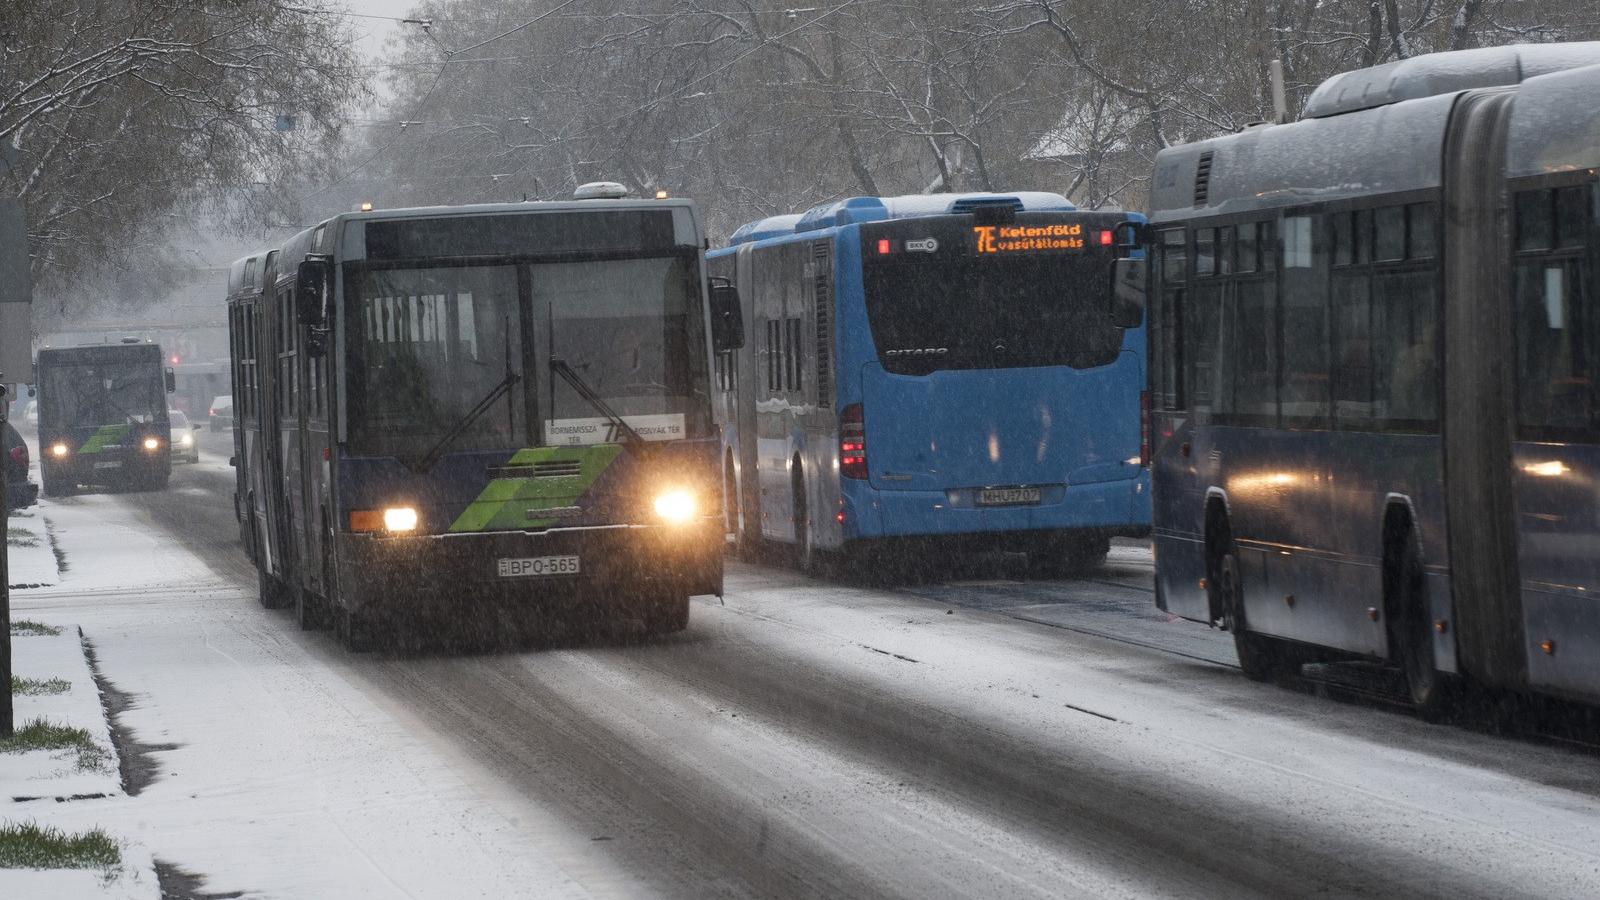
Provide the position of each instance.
(973, 736)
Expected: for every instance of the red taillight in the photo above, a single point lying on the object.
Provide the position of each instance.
(212, 412)
(1106, 238)
(19, 455)
(1144, 428)
(883, 246)
(852, 442)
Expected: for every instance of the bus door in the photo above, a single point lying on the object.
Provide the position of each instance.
(310, 430)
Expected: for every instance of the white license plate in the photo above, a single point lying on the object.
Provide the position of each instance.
(109, 464)
(538, 565)
(1008, 496)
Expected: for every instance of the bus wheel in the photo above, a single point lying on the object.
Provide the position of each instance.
(272, 593)
(354, 631)
(1261, 658)
(808, 558)
(1411, 639)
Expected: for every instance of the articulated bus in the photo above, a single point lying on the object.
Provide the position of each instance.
(1375, 376)
(480, 411)
(951, 369)
(103, 417)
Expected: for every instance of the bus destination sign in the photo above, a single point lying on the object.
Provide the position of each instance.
(1006, 239)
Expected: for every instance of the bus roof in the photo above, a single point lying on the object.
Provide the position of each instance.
(1554, 124)
(1445, 73)
(1361, 136)
(855, 210)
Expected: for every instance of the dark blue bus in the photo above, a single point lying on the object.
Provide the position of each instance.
(1375, 376)
(948, 368)
(480, 411)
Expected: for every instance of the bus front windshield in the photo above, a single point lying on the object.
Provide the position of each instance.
(435, 343)
(94, 394)
(964, 312)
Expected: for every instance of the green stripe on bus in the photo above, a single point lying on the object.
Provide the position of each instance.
(103, 436)
(505, 503)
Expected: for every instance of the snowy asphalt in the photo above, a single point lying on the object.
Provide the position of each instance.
(977, 734)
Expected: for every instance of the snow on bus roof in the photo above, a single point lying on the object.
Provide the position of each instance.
(1433, 74)
(855, 210)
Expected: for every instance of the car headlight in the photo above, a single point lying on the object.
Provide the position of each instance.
(400, 518)
(676, 506)
(151, 443)
(187, 440)
(59, 450)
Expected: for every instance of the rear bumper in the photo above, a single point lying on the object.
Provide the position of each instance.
(451, 572)
(1113, 508)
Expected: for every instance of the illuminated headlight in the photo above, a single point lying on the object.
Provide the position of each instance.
(59, 450)
(187, 440)
(399, 518)
(676, 506)
(151, 443)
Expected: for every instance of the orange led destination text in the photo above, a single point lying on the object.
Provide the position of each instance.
(1025, 238)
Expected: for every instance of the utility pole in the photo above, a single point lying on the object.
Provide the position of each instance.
(16, 365)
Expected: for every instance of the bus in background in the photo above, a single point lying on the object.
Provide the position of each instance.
(479, 411)
(1376, 376)
(951, 369)
(103, 417)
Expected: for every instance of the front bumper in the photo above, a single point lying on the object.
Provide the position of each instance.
(455, 571)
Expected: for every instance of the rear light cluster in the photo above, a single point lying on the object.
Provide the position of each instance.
(852, 442)
(1144, 428)
(19, 455)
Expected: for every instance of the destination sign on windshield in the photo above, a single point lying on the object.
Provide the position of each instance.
(1003, 239)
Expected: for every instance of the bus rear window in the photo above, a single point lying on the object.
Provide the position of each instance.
(967, 312)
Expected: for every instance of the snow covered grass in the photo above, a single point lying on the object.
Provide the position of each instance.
(27, 846)
(42, 734)
(30, 628)
(21, 537)
(38, 687)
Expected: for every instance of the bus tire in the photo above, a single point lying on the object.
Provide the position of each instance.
(1411, 636)
(354, 631)
(272, 593)
(1261, 658)
(808, 557)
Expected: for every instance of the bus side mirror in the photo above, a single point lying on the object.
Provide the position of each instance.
(1127, 292)
(310, 286)
(172, 381)
(727, 316)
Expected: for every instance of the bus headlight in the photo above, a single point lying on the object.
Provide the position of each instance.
(676, 506)
(400, 518)
(59, 450)
(151, 443)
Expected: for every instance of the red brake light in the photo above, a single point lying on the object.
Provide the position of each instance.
(883, 246)
(19, 455)
(1105, 238)
(1144, 428)
(852, 442)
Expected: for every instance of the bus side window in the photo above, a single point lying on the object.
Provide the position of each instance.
(1557, 323)
(1303, 387)
(1165, 337)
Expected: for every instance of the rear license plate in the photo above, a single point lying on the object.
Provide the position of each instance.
(109, 464)
(538, 565)
(1008, 496)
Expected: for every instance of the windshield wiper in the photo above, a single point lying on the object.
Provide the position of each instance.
(633, 440)
(431, 458)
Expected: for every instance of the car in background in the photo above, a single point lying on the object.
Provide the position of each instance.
(222, 413)
(185, 443)
(20, 492)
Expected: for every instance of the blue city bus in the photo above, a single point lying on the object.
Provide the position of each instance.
(1375, 376)
(479, 411)
(948, 369)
